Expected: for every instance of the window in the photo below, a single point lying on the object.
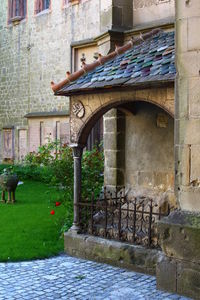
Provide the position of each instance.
(41, 5)
(17, 9)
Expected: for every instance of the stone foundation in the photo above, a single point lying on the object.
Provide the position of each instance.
(179, 270)
(119, 254)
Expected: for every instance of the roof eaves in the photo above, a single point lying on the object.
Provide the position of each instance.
(129, 84)
(101, 60)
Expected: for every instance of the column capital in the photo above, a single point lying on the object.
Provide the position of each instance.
(77, 150)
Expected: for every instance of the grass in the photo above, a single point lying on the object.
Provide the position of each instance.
(27, 229)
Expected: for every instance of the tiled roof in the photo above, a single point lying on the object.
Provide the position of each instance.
(151, 61)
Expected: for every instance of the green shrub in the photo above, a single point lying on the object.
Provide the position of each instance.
(53, 164)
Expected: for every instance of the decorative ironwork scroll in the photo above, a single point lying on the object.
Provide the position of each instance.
(113, 216)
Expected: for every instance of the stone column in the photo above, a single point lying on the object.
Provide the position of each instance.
(77, 154)
(114, 149)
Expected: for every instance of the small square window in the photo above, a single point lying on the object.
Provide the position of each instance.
(41, 5)
(16, 10)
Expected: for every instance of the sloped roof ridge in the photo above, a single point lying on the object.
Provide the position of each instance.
(103, 59)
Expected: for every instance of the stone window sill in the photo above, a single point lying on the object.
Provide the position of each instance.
(43, 12)
(16, 20)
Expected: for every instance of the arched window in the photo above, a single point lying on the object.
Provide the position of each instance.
(41, 5)
(17, 8)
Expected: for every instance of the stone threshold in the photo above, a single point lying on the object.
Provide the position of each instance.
(132, 257)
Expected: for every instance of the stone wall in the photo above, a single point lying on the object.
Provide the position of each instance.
(151, 11)
(149, 151)
(36, 51)
(187, 140)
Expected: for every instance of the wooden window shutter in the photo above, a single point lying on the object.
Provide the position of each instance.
(38, 6)
(21, 8)
(9, 10)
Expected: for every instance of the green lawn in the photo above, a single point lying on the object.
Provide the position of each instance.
(27, 229)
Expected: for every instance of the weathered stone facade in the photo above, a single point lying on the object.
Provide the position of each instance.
(34, 52)
(37, 50)
(180, 231)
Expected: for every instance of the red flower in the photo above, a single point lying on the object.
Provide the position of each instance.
(52, 212)
(58, 203)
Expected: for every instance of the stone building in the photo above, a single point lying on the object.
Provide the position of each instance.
(34, 36)
(137, 81)
(132, 87)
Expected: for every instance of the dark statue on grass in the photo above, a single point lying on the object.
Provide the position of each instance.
(8, 183)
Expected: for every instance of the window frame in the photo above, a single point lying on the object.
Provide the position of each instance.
(38, 11)
(20, 10)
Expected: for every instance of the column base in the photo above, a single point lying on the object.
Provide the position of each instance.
(74, 229)
(179, 269)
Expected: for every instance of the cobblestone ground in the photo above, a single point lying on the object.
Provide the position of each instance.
(70, 278)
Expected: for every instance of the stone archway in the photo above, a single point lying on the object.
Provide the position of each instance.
(86, 109)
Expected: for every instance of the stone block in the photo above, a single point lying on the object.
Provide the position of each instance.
(188, 279)
(108, 251)
(193, 34)
(110, 125)
(194, 97)
(188, 64)
(187, 9)
(110, 176)
(187, 132)
(180, 236)
(181, 103)
(166, 274)
(110, 158)
(189, 198)
(110, 141)
(195, 164)
(182, 35)
(111, 113)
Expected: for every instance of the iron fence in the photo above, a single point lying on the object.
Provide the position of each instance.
(114, 216)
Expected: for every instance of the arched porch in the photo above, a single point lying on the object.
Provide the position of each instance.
(87, 109)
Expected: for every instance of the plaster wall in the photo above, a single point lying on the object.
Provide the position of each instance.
(43, 129)
(149, 150)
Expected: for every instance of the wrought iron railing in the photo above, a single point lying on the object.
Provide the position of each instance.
(113, 216)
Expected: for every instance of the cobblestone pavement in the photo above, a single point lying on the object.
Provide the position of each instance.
(70, 278)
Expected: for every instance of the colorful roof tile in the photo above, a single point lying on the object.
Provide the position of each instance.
(153, 60)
